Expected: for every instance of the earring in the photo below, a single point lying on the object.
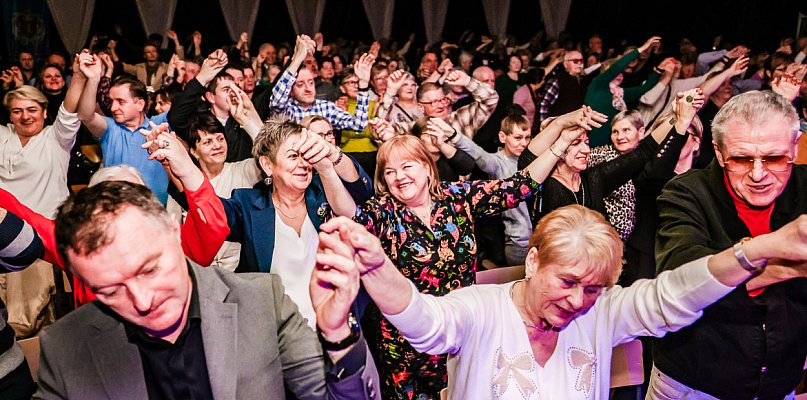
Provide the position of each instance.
(267, 180)
(528, 277)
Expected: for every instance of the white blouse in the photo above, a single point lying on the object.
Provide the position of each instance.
(293, 260)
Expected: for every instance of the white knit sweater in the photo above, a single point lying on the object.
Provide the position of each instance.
(490, 354)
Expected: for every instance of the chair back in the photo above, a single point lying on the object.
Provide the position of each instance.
(500, 275)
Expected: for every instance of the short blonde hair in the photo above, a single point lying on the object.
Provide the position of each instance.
(634, 117)
(25, 92)
(406, 147)
(274, 132)
(307, 121)
(575, 234)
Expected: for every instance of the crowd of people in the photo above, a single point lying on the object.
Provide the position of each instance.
(309, 222)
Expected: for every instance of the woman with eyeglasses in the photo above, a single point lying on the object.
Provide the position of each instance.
(359, 145)
(426, 227)
(399, 103)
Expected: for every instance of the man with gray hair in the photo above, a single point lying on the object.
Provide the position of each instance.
(751, 198)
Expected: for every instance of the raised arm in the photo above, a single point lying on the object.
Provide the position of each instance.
(243, 111)
(91, 68)
(282, 90)
(468, 119)
(711, 85)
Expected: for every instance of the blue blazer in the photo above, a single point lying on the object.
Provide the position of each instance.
(251, 216)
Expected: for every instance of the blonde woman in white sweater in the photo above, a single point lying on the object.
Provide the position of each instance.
(550, 335)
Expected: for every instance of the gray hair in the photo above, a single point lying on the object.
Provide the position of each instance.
(755, 108)
(113, 173)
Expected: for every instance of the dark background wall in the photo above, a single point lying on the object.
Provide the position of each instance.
(759, 24)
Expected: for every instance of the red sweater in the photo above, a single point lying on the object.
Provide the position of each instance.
(757, 220)
(203, 232)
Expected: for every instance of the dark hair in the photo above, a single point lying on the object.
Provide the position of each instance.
(40, 81)
(205, 122)
(137, 89)
(534, 76)
(419, 127)
(83, 220)
(214, 83)
(165, 94)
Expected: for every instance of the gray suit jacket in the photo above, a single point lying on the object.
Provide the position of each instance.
(255, 340)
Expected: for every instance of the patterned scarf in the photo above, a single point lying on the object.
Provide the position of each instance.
(617, 94)
(621, 203)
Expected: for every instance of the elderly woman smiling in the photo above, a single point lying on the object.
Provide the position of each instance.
(426, 227)
(548, 336)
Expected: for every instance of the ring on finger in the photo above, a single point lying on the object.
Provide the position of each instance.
(164, 144)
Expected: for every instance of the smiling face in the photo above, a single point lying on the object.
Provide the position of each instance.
(407, 180)
(52, 80)
(27, 116)
(435, 103)
(161, 104)
(211, 149)
(577, 154)
(289, 170)
(142, 277)
(759, 186)
(408, 89)
(625, 136)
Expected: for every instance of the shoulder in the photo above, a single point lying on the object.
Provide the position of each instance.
(85, 322)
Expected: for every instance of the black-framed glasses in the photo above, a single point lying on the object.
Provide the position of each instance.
(327, 135)
(437, 102)
(771, 163)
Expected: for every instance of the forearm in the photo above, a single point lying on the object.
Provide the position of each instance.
(540, 168)
(87, 100)
(74, 93)
(205, 229)
(345, 168)
(389, 289)
(336, 193)
(711, 85)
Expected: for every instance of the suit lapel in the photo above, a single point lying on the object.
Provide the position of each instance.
(219, 332)
(117, 362)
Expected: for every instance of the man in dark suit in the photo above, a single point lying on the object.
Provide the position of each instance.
(163, 327)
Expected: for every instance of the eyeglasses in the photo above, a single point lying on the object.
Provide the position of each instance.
(437, 102)
(575, 60)
(327, 135)
(771, 163)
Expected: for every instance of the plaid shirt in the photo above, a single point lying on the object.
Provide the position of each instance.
(282, 103)
(468, 119)
(549, 98)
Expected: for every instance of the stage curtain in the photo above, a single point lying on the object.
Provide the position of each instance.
(496, 14)
(72, 19)
(306, 15)
(434, 18)
(379, 13)
(156, 16)
(239, 16)
(555, 13)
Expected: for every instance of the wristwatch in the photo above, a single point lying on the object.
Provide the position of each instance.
(744, 261)
(350, 340)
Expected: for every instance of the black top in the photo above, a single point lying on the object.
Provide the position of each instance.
(187, 103)
(571, 92)
(178, 370)
(742, 347)
(648, 186)
(450, 169)
(597, 181)
(706, 114)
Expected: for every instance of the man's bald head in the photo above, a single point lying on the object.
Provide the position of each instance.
(485, 75)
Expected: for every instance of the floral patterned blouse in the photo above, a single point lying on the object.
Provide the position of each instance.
(437, 260)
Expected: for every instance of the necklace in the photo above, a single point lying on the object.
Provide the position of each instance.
(583, 202)
(287, 215)
(547, 327)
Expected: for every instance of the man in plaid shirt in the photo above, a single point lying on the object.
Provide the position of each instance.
(434, 102)
(294, 95)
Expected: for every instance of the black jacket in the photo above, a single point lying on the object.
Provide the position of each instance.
(743, 347)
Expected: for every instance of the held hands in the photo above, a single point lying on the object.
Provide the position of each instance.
(241, 107)
(585, 117)
(211, 66)
(458, 77)
(302, 48)
(737, 52)
(346, 250)
(687, 104)
(90, 65)
(315, 150)
(649, 44)
(168, 149)
(381, 130)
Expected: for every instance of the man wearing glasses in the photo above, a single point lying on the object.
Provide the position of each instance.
(751, 343)
(435, 102)
(566, 88)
